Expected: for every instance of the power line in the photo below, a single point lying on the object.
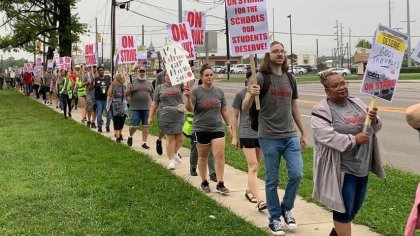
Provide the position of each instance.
(148, 17)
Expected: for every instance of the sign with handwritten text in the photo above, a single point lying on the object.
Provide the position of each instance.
(176, 63)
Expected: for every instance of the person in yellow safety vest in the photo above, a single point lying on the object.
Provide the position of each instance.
(187, 131)
(66, 93)
(81, 83)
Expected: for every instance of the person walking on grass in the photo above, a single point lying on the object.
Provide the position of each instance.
(209, 105)
(66, 93)
(117, 101)
(168, 99)
(101, 85)
(160, 79)
(341, 168)
(250, 146)
(277, 134)
(140, 93)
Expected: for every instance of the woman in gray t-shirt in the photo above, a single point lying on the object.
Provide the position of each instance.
(209, 105)
(168, 99)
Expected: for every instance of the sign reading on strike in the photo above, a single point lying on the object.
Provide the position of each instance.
(181, 33)
(248, 27)
(197, 22)
(384, 63)
(28, 67)
(65, 63)
(176, 64)
(127, 49)
(90, 54)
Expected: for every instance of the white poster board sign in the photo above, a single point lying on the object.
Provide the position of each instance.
(38, 72)
(91, 58)
(416, 54)
(127, 49)
(176, 63)
(65, 63)
(384, 63)
(28, 67)
(248, 27)
(197, 22)
(181, 33)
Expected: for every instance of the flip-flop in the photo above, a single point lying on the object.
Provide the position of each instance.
(251, 198)
(261, 206)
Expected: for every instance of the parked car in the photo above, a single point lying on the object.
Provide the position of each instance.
(310, 69)
(298, 70)
(338, 70)
(217, 68)
(239, 68)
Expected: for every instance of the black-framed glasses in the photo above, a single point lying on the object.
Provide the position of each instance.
(339, 85)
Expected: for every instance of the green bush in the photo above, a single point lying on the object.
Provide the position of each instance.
(410, 69)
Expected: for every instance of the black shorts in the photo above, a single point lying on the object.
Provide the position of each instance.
(249, 143)
(47, 89)
(206, 137)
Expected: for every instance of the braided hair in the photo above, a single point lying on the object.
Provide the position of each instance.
(325, 76)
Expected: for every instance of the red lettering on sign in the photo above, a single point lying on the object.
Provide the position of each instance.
(195, 19)
(89, 49)
(231, 2)
(198, 37)
(179, 32)
(368, 86)
(90, 60)
(127, 41)
(189, 48)
(129, 55)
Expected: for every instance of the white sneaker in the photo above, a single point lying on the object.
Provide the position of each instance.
(178, 159)
(171, 165)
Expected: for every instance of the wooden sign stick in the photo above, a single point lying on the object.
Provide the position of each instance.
(367, 120)
(254, 80)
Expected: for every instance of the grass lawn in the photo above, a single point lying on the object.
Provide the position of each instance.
(388, 202)
(314, 77)
(59, 178)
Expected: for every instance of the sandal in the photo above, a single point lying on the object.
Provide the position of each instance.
(261, 206)
(251, 198)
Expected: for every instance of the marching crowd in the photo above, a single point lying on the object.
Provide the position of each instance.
(201, 113)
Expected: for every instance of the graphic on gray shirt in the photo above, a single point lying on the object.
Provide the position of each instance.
(168, 97)
(207, 109)
(349, 119)
(275, 119)
(48, 78)
(245, 130)
(141, 94)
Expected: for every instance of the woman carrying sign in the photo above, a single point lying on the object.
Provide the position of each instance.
(209, 105)
(340, 174)
(168, 99)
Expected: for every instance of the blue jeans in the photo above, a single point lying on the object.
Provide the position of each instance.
(273, 149)
(354, 192)
(100, 108)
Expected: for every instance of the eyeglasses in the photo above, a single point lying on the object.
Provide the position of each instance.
(339, 85)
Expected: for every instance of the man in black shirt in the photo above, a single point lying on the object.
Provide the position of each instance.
(101, 85)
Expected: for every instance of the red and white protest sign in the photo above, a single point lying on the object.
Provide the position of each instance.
(248, 27)
(38, 73)
(197, 22)
(57, 58)
(65, 63)
(181, 33)
(28, 67)
(38, 62)
(176, 63)
(90, 55)
(127, 49)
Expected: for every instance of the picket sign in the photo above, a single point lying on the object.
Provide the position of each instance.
(197, 21)
(181, 33)
(254, 80)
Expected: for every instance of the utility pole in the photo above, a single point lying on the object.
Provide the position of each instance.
(113, 5)
(273, 27)
(349, 47)
(179, 11)
(291, 42)
(341, 46)
(409, 34)
(338, 43)
(43, 43)
(389, 13)
(227, 44)
(96, 37)
(317, 51)
(142, 35)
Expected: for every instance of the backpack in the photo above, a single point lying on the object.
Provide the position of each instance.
(253, 112)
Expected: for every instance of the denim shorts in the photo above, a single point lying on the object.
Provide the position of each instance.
(354, 192)
(138, 116)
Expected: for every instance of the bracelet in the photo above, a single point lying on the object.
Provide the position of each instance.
(229, 126)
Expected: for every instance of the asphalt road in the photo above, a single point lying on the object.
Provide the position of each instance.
(399, 143)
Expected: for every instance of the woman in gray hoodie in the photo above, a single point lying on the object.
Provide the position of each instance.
(344, 153)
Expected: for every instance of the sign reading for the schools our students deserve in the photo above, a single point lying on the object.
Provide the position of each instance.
(384, 63)
(90, 55)
(197, 22)
(127, 49)
(176, 63)
(416, 54)
(248, 27)
(181, 33)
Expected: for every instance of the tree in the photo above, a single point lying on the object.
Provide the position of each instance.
(48, 21)
(363, 43)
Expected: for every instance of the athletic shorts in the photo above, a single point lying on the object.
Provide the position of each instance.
(249, 143)
(206, 137)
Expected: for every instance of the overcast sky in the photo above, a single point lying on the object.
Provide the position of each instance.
(315, 17)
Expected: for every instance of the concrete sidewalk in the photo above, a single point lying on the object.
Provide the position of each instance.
(312, 219)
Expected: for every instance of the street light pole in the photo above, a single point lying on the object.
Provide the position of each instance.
(291, 42)
(113, 5)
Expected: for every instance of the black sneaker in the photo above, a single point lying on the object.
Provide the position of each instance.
(275, 228)
(159, 147)
(130, 141)
(220, 187)
(213, 177)
(193, 171)
(93, 126)
(289, 220)
(88, 124)
(100, 130)
(107, 129)
(144, 145)
(205, 186)
(69, 114)
(119, 139)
